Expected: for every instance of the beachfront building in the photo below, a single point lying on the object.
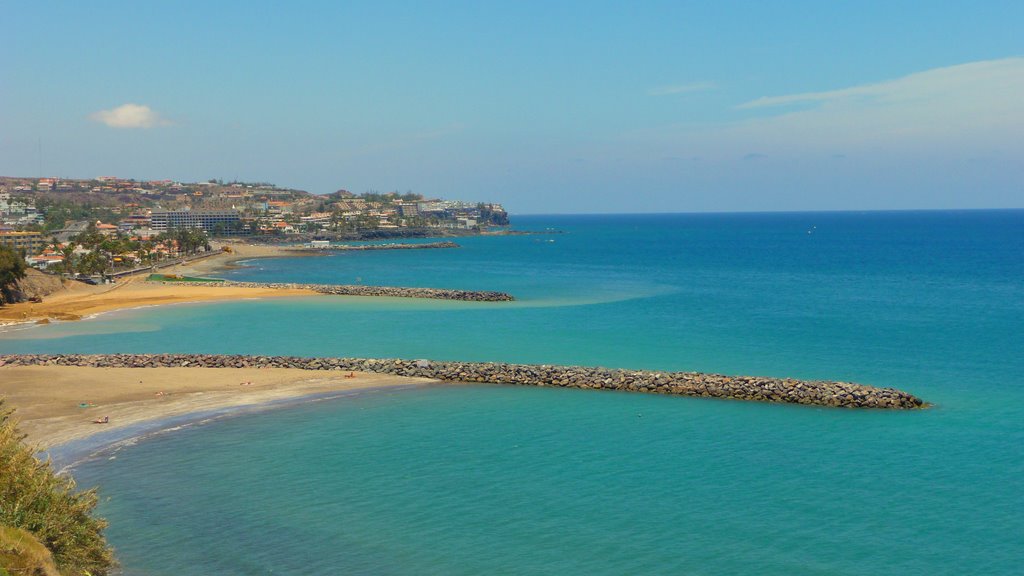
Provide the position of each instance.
(45, 260)
(107, 230)
(134, 222)
(208, 220)
(429, 206)
(30, 242)
(407, 209)
(317, 218)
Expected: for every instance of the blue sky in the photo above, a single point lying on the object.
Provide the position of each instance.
(545, 106)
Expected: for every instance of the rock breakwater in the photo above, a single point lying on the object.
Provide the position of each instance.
(361, 290)
(753, 388)
(389, 246)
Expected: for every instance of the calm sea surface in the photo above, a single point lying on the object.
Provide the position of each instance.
(491, 479)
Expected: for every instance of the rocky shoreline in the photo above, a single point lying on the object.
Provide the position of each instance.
(361, 290)
(352, 235)
(363, 247)
(383, 234)
(752, 388)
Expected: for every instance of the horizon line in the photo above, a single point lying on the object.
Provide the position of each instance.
(811, 211)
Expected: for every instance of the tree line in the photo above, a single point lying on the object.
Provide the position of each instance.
(12, 269)
(104, 253)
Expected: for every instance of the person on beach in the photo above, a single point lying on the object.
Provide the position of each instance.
(104, 420)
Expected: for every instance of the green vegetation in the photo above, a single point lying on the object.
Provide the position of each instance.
(48, 507)
(108, 253)
(12, 269)
(389, 197)
(496, 217)
(189, 240)
(222, 229)
(58, 212)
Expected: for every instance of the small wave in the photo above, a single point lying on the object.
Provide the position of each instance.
(71, 454)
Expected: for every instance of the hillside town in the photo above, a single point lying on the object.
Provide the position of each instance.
(86, 226)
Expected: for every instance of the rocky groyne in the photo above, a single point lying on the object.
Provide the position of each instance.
(754, 388)
(366, 247)
(361, 290)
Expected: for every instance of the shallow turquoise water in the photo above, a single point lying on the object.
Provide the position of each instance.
(518, 480)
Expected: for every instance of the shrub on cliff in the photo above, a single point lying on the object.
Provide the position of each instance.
(22, 553)
(12, 269)
(48, 507)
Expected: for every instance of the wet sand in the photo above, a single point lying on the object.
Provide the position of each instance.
(58, 404)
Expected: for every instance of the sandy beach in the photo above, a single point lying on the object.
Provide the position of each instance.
(58, 404)
(77, 300)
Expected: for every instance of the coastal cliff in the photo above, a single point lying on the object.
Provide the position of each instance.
(35, 284)
(753, 388)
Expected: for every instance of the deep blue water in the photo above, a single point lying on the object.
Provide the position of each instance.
(517, 480)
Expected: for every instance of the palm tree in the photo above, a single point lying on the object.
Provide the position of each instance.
(68, 251)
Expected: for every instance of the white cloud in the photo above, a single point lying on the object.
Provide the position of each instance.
(939, 85)
(976, 105)
(682, 88)
(130, 116)
(968, 109)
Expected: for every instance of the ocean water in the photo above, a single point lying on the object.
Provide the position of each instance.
(492, 479)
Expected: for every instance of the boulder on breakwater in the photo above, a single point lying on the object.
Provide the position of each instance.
(754, 388)
(363, 247)
(361, 290)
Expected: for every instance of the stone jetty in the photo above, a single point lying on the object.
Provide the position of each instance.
(361, 290)
(389, 246)
(754, 388)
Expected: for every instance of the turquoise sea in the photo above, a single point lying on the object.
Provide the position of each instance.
(510, 480)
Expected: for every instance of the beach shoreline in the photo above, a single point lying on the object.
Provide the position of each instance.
(58, 406)
(66, 456)
(76, 300)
